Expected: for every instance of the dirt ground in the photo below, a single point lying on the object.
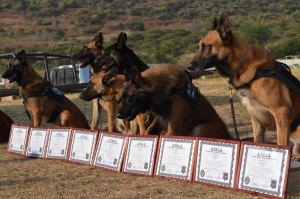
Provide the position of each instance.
(23, 177)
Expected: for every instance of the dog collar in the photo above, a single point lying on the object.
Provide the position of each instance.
(238, 66)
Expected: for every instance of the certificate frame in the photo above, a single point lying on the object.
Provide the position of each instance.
(67, 147)
(285, 150)
(106, 167)
(31, 129)
(71, 142)
(235, 145)
(17, 152)
(131, 138)
(191, 163)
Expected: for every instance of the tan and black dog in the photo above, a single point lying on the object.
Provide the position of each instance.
(168, 93)
(108, 87)
(44, 102)
(266, 87)
(90, 52)
(5, 124)
(87, 57)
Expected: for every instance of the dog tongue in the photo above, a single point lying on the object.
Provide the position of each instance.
(9, 80)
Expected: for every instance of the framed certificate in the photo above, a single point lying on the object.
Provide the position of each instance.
(37, 141)
(264, 168)
(217, 162)
(58, 143)
(110, 151)
(176, 157)
(17, 139)
(140, 155)
(82, 146)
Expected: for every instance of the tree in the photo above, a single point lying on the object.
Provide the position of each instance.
(256, 33)
(136, 26)
(288, 47)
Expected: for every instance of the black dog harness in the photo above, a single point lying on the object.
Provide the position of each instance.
(52, 93)
(189, 93)
(282, 72)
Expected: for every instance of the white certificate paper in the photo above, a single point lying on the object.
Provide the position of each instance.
(110, 151)
(36, 142)
(58, 143)
(263, 169)
(140, 155)
(176, 158)
(216, 163)
(18, 138)
(82, 146)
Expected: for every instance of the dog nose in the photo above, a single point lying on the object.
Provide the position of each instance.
(120, 115)
(82, 96)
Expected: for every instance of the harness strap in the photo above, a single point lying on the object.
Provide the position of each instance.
(236, 132)
(52, 93)
(283, 73)
(35, 93)
(189, 93)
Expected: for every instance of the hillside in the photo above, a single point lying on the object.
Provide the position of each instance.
(155, 27)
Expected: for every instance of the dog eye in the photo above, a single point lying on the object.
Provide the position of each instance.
(205, 47)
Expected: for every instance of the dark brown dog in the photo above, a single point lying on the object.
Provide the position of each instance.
(271, 103)
(5, 124)
(169, 95)
(107, 87)
(44, 102)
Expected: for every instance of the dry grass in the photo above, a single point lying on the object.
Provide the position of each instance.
(23, 177)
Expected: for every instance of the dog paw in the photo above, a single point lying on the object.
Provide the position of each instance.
(296, 157)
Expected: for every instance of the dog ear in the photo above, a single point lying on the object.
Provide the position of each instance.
(121, 42)
(98, 40)
(109, 78)
(136, 78)
(224, 28)
(215, 24)
(21, 55)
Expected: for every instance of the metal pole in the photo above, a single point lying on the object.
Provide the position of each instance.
(47, 68)
(74, 71)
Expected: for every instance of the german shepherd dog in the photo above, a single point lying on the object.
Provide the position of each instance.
(168, 93)
(271, 103)
(107, 87)
(5, 124)
(90, 52)
(87, 57)
(45, 102)
(121, 57)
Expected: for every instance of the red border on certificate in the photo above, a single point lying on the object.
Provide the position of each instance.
(154, 153)
(67, 144)
(45, 141)
(237, 156)
(284, 188)
(70, 146)
(192, 156)
(107, 168)
(25, 140)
